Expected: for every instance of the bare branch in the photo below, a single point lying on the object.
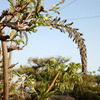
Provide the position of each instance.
(13, 65)
(54, 6)
(27, 17)
(53, 82)
(9, 30)
(14, 48)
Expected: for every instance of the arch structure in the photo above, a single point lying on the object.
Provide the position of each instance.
(25, 16)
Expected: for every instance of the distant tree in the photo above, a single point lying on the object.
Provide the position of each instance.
(40, 63)
(23, 17)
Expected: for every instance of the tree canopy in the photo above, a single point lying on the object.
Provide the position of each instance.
(27, 15)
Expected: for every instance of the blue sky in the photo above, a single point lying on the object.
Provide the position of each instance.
(46, 42)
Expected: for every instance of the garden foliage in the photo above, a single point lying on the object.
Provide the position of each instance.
(23, 17)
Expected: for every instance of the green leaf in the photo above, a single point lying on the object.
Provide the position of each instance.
(76, 34)
(62, 88)
(53, 60)
(50, 27)
(33, 89)
(33, 2)
(57, 8)
(57, 12)
(18, 74)
(20, 40)
(20, 66)
(71, 86)
(53, 6)
(49, 94)
(11, 2)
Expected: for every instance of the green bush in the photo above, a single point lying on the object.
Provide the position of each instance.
(88, 90)
(45, 71)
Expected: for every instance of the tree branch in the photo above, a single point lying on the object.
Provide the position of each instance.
(13, 65)
(14, 48)
(52, 82)
(4, 38)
